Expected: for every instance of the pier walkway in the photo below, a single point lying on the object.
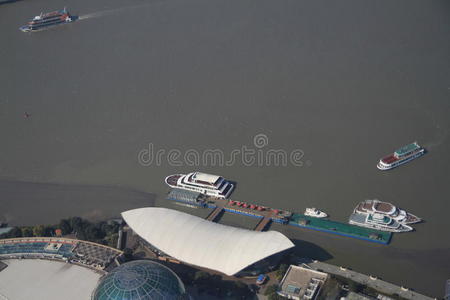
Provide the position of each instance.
(264, 222)
(267, 215)
(371, 281)
(214, 214)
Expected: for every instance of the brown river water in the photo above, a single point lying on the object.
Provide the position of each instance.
(339, 83)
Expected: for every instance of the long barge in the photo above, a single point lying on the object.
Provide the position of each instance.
(193, 199)
(343, 229)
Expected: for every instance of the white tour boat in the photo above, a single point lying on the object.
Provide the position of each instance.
(388, 209)
(378, 221)
(401, 156)
(207, 184)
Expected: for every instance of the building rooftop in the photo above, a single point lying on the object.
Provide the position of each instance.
(301, 283)
(77, 251)
(184, 195)
(203, 243)
(46, 279)
(205, 177)
(405, 149)
(140, 280)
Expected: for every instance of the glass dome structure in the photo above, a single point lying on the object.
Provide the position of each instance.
(140, 280)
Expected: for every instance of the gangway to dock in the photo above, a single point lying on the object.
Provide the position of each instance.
(264, 222)
(214, 214)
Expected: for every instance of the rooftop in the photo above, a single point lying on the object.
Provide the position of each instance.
(205, 177)
(45, 279)
(203, 243)
(301, 283)
(77, 251)
(140, 280)
(184, 195)
(405, 149)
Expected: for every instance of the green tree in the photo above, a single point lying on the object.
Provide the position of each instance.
(15, 232)
(127, 253)
(76, 223)
(355, 286)
(201, 276)
(275, 296)
(49, 230)
(27, 231)
(65, 226)
(92, 233)
(271, 289)
(111, 240)
(38, 230)
(281, 271)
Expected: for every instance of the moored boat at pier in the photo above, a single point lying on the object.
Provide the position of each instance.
(378, 221)
(207, 184)
(387, 209)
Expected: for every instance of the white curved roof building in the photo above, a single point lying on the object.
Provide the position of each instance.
(196, 241)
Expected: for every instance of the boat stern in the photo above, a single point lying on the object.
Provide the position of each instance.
(24, 28)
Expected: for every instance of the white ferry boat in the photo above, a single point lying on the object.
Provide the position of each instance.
(48, 19)
(314, 212)
(378, 221)
(401, 156)
(387, 209)
(207, 184)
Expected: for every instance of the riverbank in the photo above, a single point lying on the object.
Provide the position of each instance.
(28, 204)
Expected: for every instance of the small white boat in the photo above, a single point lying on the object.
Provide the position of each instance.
(314, 212)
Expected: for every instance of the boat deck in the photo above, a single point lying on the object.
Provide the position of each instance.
(173, 179)
(389, 159)
(384, 207)
(407, 149)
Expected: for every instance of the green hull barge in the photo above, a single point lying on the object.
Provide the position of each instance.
(339, 228)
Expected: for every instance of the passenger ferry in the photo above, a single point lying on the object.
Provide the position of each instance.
(378, 221)
(48, 19)
(401, 156)
(387, 209)
(207, 184)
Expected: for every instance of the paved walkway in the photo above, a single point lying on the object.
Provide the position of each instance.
(373, 282)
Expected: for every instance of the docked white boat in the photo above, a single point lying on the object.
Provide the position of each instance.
(207, 184)
(378, 221)
(387, 209)
(314, 212)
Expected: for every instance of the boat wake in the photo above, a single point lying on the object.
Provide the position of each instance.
(110, 12)
(436, 143)
(441, 135)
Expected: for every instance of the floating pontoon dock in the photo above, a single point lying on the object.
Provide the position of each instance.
(268, 215)
(339, 228)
